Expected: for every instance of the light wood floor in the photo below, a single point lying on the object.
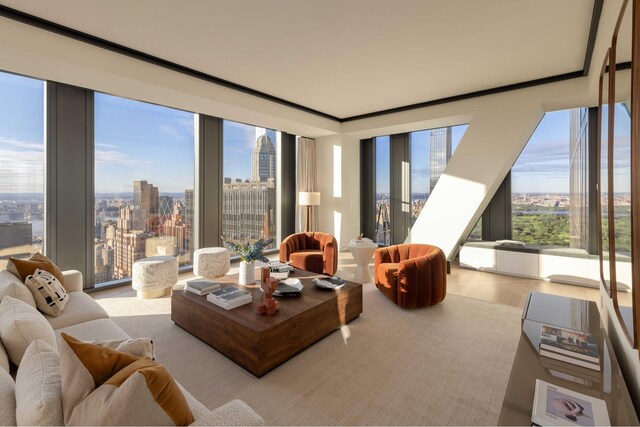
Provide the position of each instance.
(492, 287)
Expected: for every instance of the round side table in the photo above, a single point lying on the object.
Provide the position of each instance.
(362, 254)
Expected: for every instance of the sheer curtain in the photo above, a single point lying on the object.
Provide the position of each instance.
(306, 179)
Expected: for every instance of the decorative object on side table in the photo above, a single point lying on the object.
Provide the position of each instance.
(249, 253)
(269, 305)
(558, 406)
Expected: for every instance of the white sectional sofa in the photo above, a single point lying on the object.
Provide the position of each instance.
(86, 320)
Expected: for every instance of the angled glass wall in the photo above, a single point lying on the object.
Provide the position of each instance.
(431, 150)
(550, 200)
(22, 167)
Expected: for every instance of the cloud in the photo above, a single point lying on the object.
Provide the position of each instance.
(24, 145)
(103, 145)
(21, 171)
(117, 157)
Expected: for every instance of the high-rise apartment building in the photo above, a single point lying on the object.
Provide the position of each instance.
(249, 210)
(132, 218)
(129, 247)
(439, 154)
(578, 179)
(189, 220)
(263, 166)
(145, 196)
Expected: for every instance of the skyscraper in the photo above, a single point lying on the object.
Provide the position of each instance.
(145, 196)
(263, 166)
(439, 153)
(165, 204)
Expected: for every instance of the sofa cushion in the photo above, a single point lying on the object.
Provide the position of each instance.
(234, 413)
(7, 399)
(12, 286)
(20, 325)
(39, 387)
(22, 268)
(47, 291)
(79, 308)
(4, 359)
(102, 386)
(94, 330)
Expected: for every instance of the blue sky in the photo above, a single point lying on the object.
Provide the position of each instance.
(238, 144)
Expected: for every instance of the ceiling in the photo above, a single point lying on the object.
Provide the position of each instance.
(344, 57)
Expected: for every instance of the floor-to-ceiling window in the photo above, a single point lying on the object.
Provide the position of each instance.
(382, 222)
(250, 163)
(144, 183)
(550, 183)
(22, 166)
(431, 150)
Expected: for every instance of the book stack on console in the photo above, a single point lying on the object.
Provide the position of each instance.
(280, 270)
(201, 286)
(229, 297)
(567, 345)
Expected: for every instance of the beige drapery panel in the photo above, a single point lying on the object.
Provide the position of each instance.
(306, 179)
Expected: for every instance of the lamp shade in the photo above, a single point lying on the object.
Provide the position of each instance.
(308, 198)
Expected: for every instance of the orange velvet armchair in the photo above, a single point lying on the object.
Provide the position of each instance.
(311, 251)
(411, 275)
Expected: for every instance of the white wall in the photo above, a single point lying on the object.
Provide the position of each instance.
(339, 185)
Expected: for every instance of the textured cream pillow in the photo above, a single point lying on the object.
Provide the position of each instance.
(20, 325)
(11, 286)
(47, 291)
(7, 400)
(102, 386)
(39, 387)
(141, 347)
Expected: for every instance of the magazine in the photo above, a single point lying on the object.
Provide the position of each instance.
(553, 405)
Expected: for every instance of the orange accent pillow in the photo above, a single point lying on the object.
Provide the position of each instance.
(21, 268)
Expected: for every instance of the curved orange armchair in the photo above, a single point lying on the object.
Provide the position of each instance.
(411, 275)
(314, 251)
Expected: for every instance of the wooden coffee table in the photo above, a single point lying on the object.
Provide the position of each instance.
(260, 343)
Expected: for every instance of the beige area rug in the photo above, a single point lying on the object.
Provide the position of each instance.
(445, 365)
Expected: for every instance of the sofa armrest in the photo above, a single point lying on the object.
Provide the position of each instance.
(234, 413)
(73, 281)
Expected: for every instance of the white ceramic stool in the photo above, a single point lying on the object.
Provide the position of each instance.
(362, 253)
(211, 262)
(155, 276)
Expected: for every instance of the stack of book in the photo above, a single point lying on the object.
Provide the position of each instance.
(201, 286)
(229, 297)
(567, 345)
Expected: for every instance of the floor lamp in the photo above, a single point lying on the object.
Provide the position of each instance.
(308, 199)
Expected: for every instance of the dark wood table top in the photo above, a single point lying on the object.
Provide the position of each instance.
(290, 307)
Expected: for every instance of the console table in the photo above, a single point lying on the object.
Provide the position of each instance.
(608, 384)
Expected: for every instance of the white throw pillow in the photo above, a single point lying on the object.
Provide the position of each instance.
(39, 387)
(49, 294)
(20, 325)
(7, 400)
(11, 286)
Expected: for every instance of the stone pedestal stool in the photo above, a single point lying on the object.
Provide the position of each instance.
(211, 263)
(155, 276)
